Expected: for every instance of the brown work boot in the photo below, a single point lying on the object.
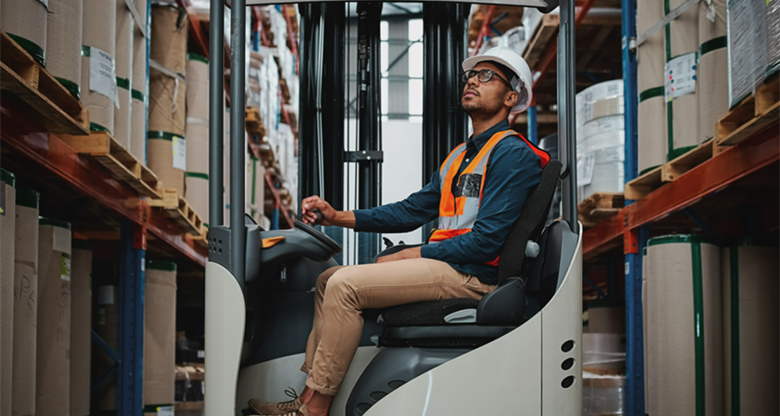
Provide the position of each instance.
(281, 408)
(302, 411)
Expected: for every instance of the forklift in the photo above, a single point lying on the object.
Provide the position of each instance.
(518, 349)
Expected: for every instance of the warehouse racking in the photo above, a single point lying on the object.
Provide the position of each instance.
(703, 190)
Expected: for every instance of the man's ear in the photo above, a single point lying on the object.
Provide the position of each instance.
(511, 98)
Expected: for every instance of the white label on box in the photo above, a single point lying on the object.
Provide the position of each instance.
(165, 411)
(102, 74)
(179, 153)
(585, 164)
(65, 267)
(680, 77)
(106, 295)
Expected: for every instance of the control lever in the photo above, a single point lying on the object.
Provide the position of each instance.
(317, 212)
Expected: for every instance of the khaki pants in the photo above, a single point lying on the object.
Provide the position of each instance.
(344, 291)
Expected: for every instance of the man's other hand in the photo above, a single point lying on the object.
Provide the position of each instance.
(409, 253)
(309, 216)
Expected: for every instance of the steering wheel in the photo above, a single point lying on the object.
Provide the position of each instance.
(320, 236)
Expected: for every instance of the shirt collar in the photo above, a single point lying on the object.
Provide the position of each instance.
(480, 140)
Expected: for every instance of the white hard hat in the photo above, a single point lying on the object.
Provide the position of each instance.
(522, 83)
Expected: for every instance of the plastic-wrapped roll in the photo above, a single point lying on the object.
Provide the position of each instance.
(169, 38)
(652, 136)
(713, 68)
(684, 332)
(167, 97)
(7, 242)
(750, 321)
(682, 106)
(99, 89)
(166, 155)
(138, 116)
(25, 301)
(81, 324)
(25, 21)
(123, 114)
(600, 155)
(255, 190)
(52, 383)
(748, 35)
(773, 34)
(197, 86)
(63, 43)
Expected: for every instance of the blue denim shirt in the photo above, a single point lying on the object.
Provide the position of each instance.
(512, 171)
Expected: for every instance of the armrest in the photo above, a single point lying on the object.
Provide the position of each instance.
(503, 306)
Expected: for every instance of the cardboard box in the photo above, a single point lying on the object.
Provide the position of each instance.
(25, 302)
(80, 327)
(52, 382)
(159, 334)
(7, 241)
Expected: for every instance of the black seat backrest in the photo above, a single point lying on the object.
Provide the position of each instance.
(530, 224)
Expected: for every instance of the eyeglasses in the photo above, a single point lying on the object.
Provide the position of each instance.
(484, 75)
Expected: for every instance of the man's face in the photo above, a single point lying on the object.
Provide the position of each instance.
(487, 98)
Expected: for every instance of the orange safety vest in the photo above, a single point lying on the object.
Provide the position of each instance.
(457, 215)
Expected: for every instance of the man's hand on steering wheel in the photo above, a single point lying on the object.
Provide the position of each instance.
(309, 215)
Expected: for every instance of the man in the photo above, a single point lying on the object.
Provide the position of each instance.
(477, 195)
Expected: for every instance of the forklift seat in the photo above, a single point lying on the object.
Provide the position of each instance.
(525, 275)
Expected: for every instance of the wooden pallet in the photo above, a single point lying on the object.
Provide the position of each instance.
(124, 167)
(254, 124)
(202, 239)
(670, 171)
(548, 27)
(21, 75)
(750, 116)
(644, 184)
(598, 207)
(179, 210)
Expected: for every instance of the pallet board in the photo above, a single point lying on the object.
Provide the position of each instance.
(124, 167)
(751, 115)
(254, 124)
(179, 210)
(21, 75)
(547, 28)
(598, 207)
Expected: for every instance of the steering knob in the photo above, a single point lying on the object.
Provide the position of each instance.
(317, 212)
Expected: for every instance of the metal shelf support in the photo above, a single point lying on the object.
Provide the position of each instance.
(132, 258)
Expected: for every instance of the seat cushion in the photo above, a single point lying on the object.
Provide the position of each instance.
(426, 313)
(444, 336)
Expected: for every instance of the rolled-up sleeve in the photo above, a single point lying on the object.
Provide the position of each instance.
(417, 209)
(512, 172)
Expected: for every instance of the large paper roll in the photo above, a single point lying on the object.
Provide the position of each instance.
(167, 98)
(169, 38)
(99, 31)
(138, 127)
(25, 302)
(52, 382)
(140, 68)
(713, 68)
(682, 112)
(63, 43)
(25, 21)
(123, 131)
(125, 25)
(750, 318)
(80, 327)
(164, 155)
(197, 86)
(684, 326)
(652, 133)
(159, 333)
(7, 243)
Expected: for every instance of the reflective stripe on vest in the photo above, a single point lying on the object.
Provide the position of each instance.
(457, 215)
